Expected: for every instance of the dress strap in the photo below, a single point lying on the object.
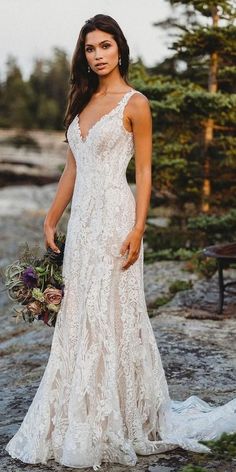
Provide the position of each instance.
(127, 96)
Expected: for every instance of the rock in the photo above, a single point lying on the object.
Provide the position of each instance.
(17, 200)
(39, 164)
(202, 299)
(160, 222)
(159, 275)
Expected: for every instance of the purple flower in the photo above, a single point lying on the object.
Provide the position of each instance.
(29, 277)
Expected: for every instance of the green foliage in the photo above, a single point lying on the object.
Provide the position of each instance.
(195, 261)
(222, 450)
(178, 150)
(201, 265)
(180, 285)
(206, 40)
(15, 95)
(160, 301)
(175, 287)
(175, 239)
(193, 468)
(225, 446)
(213, 224)
(39, 102)
(180, 254)
(182, 240)
(182, 104)
(205, 8)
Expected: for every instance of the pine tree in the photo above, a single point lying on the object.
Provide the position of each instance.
(200, 101)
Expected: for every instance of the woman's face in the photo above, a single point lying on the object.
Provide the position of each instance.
(101, 52)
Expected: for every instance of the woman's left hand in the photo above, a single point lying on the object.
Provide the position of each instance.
(132, 243)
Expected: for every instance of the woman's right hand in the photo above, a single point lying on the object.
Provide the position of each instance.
(49, 232)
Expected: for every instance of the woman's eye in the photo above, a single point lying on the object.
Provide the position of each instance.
(104, 46)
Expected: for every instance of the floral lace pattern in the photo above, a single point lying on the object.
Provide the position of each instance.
(104, 396)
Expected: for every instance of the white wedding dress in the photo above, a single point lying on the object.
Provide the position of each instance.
(104, 396)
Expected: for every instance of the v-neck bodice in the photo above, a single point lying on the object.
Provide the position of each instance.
(101, 162)
(114, 116)
(102, 158)
(85, 137)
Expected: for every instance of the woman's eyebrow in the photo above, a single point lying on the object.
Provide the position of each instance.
(104, 41)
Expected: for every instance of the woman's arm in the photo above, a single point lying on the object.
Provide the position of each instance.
(142, 131)
(140, 116)
(62, 197)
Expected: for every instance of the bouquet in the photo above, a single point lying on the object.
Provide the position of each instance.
(37, 283)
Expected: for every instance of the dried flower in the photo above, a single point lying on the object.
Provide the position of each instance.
(37, 283)
(53, 307)
(29, 277)
(52, 295)
(38, 294)
(34, 307)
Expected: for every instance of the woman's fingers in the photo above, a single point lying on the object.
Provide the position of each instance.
(132, 245)
(128, 263)
(53, 246)
(49, 240)
(132, 257)
(124, 247)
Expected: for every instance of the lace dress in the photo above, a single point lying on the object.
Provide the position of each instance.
(104, 396)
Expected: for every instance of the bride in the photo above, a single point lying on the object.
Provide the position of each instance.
(103, 396)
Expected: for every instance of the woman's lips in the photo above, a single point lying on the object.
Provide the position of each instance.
(100, 66)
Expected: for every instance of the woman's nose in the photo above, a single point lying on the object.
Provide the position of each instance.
(98, 54)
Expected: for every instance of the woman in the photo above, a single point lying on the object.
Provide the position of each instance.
(104, 396)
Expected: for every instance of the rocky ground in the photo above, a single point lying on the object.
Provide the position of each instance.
(39, 162)
(197, 345)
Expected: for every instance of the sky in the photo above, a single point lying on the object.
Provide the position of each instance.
(31, 28)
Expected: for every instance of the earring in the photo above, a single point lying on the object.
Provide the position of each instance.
(119, 61)
(89, 69)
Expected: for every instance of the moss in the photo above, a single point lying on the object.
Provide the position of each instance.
(224, 447)
(179, 286)
(160, 301)
(193, 468)
(223, 450)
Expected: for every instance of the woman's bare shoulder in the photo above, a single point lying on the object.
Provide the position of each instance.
(139, 94)
(138, 104)
(138, 99)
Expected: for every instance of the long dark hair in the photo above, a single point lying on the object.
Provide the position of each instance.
(82, 83)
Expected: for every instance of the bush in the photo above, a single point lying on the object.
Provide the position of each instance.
(218, 228)
(180, 241)
(202, 265)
